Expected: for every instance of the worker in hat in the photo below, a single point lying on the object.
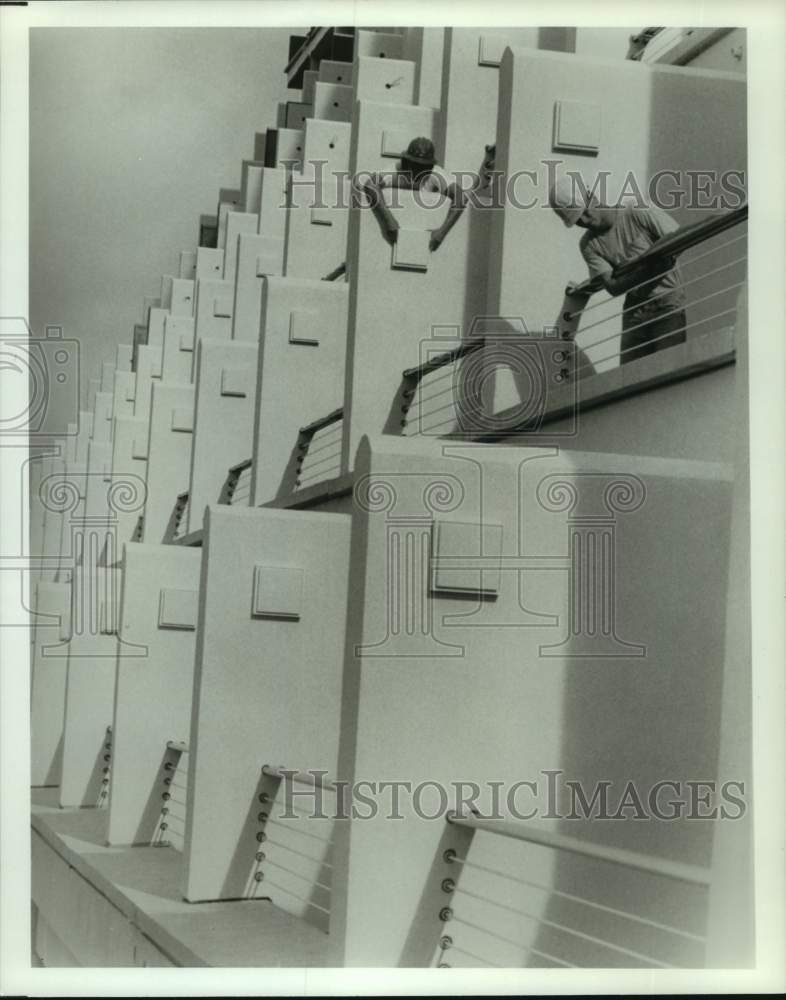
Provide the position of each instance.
(653, 315)
(418, 169)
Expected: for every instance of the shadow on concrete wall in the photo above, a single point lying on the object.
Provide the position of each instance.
(646, 720)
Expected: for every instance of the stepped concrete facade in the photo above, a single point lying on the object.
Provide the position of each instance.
(386, 613)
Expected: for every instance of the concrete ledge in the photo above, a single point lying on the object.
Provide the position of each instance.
(142, 885)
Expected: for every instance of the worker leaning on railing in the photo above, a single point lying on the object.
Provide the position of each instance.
(653, 316)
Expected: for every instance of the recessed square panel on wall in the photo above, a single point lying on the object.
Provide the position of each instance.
(269, 256)
(236, 381)
(322, 216)
(183, 419)
(305, 327)
(576, 127)
(177, 609)
(491, 49)
(278, 592)
(139, 447)
(410, 251)
(222, 306)
(455, 550)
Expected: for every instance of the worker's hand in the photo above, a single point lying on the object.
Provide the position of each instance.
(393, 234)
(436, 239)
(570, 288)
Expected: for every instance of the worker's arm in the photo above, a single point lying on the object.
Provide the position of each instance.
(648, 271)
(603, 275)
(373, 191)
(458, 203)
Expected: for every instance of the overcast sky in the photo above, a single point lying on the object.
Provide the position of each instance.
(132, 133)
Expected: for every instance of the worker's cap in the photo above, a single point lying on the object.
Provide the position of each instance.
(420, 150)
(567, 201)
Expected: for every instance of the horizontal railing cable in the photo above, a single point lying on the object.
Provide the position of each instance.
(325, 441)
(294, 895)
(648, 281)
(299, 831)
(582, 900)
(309, 466)
(295, 874)
(320, 476)
(470, 954)
(662, 315)
(309, 857)
(658, 295)
(516, 944)
(635, 347)
(565, 929)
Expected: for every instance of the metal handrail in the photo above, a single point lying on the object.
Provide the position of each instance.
(677, 870)
(301, 777)
(440, 360)
(317, 425)
(313, 38)
(683, 239)
(234, 473)
(336, 272)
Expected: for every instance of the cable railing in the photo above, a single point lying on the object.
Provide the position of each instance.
(697, 298)
(456, 392)
(171, 823)
(106, 769)
(292, 859)
(176, 521)
(499, 917)
(430, 396)
(237, 485)
(318, 450)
